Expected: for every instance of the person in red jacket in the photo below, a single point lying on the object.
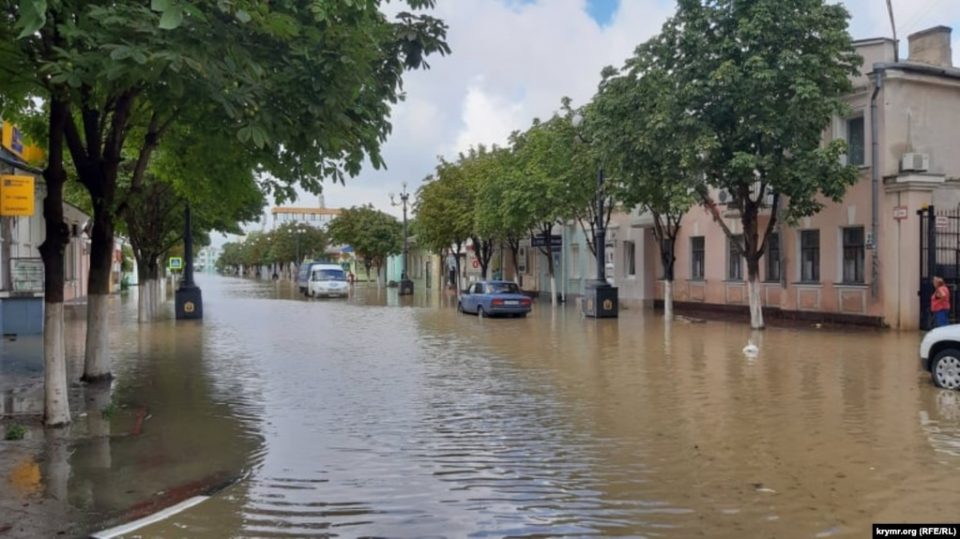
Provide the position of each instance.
(940, 303)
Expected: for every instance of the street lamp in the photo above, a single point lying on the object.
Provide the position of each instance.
(406, 285)
(600, 299)
(188, 301)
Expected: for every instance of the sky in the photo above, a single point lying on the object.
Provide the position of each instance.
(513, 60)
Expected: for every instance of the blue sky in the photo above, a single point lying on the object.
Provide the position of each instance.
(602, 11)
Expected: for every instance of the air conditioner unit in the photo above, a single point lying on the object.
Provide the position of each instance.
(915, 162)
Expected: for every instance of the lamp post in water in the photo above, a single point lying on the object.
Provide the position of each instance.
(406, 285)
(600, 298)
(188, 299)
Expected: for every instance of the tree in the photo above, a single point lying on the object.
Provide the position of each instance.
(444, 216)
(373, 235)
(763, 79)
(492, 215)
(310, 88)
(292, 243)
(539, 197)
(650, 145)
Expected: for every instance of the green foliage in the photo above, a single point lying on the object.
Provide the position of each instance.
(442, 208)
(762, 80)
(648, 142)
(109, 411)
(296, 242)
(15, 432)
(374, 235)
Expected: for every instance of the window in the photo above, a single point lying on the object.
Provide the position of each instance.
(853, 254)
(70, 262)
(629, 258)
(810, 256)
(575, 260)
(502, 288)
(697, 258)
(773, 257)
(856, 141)
(734, 260)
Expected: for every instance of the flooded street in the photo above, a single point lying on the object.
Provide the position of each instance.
(378, 416)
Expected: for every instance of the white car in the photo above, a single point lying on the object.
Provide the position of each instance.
(940, 355)
(327, 280)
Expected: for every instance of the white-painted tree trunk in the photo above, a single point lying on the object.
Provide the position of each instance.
(98, 398)
(756, 309)
(96, 364)
(150, 300)
(668, 300)
(56, 403)
(553, 291)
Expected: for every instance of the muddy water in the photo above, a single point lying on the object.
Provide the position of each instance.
(382, 416)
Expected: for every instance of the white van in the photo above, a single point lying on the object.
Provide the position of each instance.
(327, 280)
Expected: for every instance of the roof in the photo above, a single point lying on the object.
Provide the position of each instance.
(307, 211)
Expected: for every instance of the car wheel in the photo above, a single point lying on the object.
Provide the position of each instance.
(946, 369)
(480, 313)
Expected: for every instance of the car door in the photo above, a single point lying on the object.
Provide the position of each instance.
(475, 297)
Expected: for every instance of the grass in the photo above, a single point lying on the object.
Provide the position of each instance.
(15, 432)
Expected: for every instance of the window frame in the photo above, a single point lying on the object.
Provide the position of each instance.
(770, 259)
(629, 258)
(847, 132)
(860, 255)
(804, 250)
(702, 258)
(733, 255)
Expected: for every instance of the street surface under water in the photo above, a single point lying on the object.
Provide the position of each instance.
(398, 417)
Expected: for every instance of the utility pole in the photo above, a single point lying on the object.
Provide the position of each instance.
(188, 299)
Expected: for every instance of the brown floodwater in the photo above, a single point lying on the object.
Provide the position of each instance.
(398, 417)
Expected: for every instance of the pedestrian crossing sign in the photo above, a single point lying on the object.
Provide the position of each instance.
(175, 263)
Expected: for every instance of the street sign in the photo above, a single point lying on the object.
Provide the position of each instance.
(900, 213)
(175, 263)
(476, 263)
(556, 241)
(16, 196)
(942, 222)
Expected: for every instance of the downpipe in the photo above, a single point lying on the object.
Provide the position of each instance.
(875, 179)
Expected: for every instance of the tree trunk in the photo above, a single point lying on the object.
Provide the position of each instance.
(96, 365)
(668, 299)
(56, 410)
(514, 246)
(550, 270)
(150, 300)
(753, 292)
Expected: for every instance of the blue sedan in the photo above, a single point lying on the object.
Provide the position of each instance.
(491, 298)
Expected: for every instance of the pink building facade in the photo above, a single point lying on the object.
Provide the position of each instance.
(830, 266)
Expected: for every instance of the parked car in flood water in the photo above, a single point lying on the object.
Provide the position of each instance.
(492, 298)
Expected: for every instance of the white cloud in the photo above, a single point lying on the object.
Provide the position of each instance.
(512, 62)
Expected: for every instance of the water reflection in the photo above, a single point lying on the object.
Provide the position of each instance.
(382, 415)
(386, 420)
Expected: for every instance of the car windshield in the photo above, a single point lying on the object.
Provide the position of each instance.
(329, 275)
(502, 288)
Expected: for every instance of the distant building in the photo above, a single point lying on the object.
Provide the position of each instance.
(319, 216)
(206, 261)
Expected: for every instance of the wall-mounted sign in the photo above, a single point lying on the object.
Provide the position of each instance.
(16, 196)
(900, 213)
(27, 274)
(13, 139)
(942, 222)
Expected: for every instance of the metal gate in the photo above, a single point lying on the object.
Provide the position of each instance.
(939, 256)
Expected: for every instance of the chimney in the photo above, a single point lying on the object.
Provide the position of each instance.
(931, 46)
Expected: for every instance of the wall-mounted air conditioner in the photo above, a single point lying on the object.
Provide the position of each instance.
(915, 162)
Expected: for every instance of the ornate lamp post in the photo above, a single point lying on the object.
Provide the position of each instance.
(188, 299)
(600, 298)
(406, 285)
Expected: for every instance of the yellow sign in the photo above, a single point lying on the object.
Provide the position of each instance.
(188, 307)
(608, 305)
(13, 139)
(16, 196)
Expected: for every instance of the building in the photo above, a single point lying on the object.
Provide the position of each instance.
(421, 266)
(319, 216)
(831, 266)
